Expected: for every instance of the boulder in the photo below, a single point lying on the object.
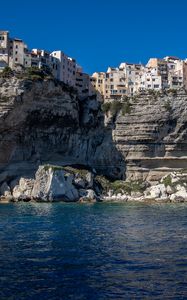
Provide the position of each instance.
(54, 184)
(87, 195)
(79, 182)
(156, 192)
(5, 190)
(170, 190)
(23, 191)
(180, 195)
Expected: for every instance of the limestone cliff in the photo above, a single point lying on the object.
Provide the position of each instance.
(152, 138)
(43, 121)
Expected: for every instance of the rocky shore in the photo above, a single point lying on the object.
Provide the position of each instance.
(55, 183)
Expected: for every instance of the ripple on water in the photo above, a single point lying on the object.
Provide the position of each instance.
(101, 251)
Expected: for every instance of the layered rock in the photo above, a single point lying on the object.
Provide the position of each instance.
(152, 138)
(43, 121)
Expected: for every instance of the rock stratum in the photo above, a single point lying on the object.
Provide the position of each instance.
(152, 138)
(44, 122)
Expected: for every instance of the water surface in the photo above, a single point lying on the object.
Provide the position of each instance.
(98, 251)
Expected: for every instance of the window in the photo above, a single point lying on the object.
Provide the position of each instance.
(16, 46)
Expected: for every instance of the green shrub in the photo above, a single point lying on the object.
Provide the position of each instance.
(81, 172)
(127, 187)
(152, 92)
(7, 72)
(115, 107)
(173, 91)
(35, 77)
(120, 186)
(4, 98)
(104, 182)
(126, 108)
(168, 106)
(106, 107)
(72, 170)
(167, 181)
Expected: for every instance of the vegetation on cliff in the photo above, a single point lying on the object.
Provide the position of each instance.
(115, 106)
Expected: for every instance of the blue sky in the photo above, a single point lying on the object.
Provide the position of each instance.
(100, 33)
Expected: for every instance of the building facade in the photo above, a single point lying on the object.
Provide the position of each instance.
(4, 49)
(66, 70)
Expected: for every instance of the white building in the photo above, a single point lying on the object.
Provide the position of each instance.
(131, 75)
(17, 49)
(4, 49)
(176, 70)
(148, 79)
(66, 67)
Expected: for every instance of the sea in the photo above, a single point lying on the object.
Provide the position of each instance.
(93, 251)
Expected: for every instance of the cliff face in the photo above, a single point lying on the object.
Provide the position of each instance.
(153, 137)
(44, 122)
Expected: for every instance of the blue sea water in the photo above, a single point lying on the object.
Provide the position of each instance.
(93, 251)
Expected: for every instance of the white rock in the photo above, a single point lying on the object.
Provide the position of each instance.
(80, 182)
(119, 195)
(91, 194)
(156, 191)
(23, 191)
(54, 185)
(179, 194)
(180, 188)
(169, 190)
(89, 179)
(110, 193)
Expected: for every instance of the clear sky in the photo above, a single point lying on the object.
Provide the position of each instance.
(100, 33)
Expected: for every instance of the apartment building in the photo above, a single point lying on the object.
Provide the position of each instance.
(117, 82)
(132, 74)
(148, 79)
(98, 80)
(17, 50)
(66, 68)
(4, 49)
(82, 84)
(85, 84)
(160, 67)
(115, 85)
(177, 70)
